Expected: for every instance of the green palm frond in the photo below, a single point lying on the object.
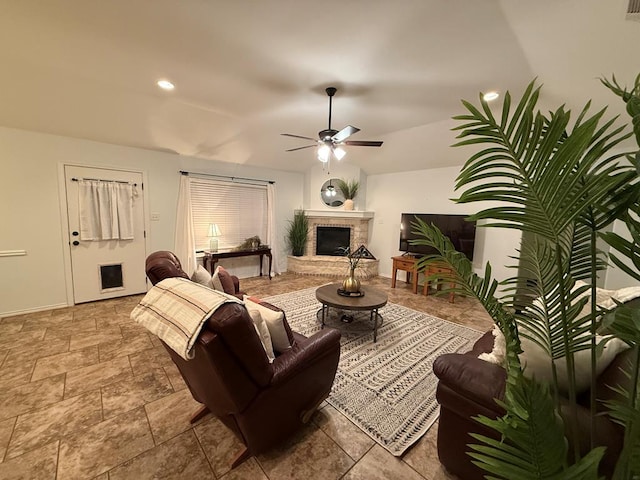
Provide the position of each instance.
(628, 465)
(582, 261)
(533, 445)
(469, 283)
(536, 168)
(560, 183)
(628, 250)
(624, 323)
(631, 98)
(623, 191)
(543, 321)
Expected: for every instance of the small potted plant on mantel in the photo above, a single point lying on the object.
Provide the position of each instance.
(349, 189)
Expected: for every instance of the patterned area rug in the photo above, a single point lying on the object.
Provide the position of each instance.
(388, 389)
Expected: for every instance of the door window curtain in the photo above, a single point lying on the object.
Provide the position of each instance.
(106, 210)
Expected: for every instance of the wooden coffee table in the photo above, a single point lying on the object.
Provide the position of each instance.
(372, 300)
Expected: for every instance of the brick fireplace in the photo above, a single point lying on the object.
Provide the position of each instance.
(335, 266)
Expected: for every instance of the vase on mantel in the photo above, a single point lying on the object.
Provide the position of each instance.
(351, 284)
(348, 204)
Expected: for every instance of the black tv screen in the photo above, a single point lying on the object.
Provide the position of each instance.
(461, 233)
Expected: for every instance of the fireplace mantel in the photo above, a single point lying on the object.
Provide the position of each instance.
(338, 213)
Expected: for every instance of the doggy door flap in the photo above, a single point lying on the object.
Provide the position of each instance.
(111, 276)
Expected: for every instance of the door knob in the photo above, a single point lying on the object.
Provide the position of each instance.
(76, 242)
(75, 234)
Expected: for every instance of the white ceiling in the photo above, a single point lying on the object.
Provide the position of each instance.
(247, 70)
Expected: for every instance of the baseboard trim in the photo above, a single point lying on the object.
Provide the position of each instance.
(33, 310)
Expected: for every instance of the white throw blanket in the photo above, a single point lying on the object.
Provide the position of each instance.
(176, 309)
(106, 210)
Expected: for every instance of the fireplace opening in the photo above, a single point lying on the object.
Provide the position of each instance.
(330, 240)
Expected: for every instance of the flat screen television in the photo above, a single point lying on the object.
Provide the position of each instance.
(461, 232)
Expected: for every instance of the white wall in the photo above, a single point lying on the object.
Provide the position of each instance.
(31, 219)
(429, 191)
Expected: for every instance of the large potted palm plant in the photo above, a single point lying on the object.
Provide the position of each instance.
(562, 184)
(297, 233)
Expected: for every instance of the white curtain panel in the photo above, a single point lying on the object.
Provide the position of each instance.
(125, 194)
(271, 226)
(106, 210)
(185, 245)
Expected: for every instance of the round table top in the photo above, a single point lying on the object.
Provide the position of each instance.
(373, 298)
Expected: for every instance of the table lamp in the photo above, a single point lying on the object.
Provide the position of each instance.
(214, 232)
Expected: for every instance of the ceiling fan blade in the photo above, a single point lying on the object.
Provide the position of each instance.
(300, 148)
(345, 133)
(363, 143)
(299, 136)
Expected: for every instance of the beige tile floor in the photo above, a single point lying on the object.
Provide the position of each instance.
(86, 393)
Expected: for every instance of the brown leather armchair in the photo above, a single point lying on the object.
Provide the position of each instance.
(262, 403)
(468, 388)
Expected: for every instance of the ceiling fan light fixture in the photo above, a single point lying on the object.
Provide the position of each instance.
(323, 153)
(330, 140)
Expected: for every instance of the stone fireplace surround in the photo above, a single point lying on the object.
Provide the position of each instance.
(335, 266)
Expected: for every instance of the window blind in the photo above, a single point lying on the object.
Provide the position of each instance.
(239, 210)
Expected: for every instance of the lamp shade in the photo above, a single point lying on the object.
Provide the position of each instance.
(214, 230)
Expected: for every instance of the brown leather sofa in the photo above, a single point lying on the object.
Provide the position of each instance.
(469, 386)
(262, 403)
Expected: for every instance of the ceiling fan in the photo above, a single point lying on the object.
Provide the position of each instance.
(330, 141)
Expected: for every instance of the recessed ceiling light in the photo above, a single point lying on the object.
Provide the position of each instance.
(490, 96)
(165, 84)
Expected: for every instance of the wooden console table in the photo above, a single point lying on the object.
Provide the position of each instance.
(211, 258)
(408, 264)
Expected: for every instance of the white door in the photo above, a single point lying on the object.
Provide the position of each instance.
(105, 268)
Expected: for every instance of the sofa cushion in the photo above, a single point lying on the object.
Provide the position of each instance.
(222, 281)
(201, 276)
(537, 363)
(263, 332)
(274, 321)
